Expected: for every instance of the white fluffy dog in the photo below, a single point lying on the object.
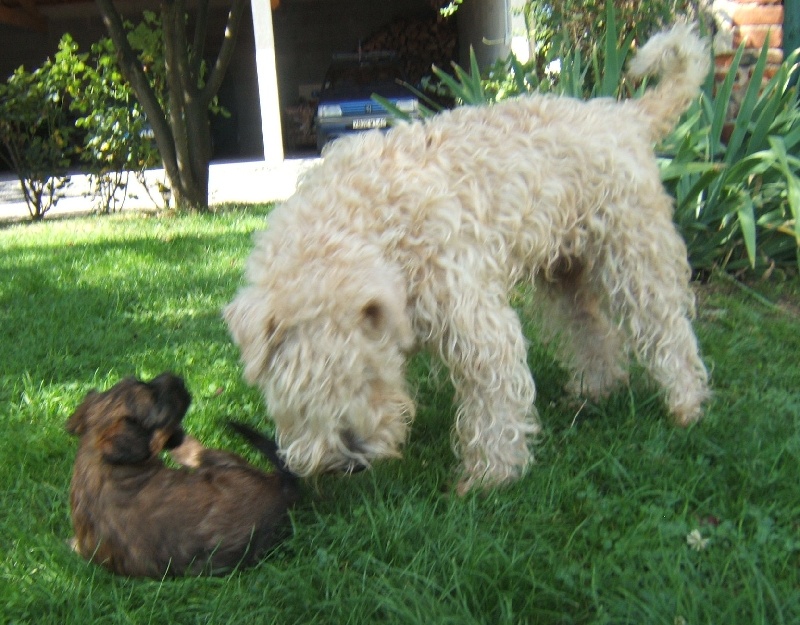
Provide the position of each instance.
(414, 238)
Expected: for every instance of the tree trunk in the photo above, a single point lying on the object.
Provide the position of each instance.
(182, 132)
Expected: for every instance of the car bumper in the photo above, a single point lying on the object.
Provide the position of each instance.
(330, 129)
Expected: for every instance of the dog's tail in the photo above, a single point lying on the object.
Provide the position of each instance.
(265, 445)
(681, 60)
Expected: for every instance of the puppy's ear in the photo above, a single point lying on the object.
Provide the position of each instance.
(254, 329)
(76, 424)
(125, 442)
(171, 401)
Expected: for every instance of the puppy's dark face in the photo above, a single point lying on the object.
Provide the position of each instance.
(133, 420)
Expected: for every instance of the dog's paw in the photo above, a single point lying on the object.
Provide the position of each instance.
(189, 453)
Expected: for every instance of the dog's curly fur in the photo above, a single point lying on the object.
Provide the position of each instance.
(136, 516)
(414, 237)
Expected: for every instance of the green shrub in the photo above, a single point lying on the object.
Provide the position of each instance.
(596, 70)
(36, 134)
(593, 68)
(561, 27)
(117, 140)
(75, 107)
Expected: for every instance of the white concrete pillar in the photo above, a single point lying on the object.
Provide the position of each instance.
(267, 81)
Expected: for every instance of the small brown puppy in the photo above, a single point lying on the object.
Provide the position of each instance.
(136, 516)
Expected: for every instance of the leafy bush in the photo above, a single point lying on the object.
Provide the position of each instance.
(117, 140)
(589, 69)
(78, 107)
(560, 27)
(36, 133)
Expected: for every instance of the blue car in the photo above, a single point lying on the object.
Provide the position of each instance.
(345, 101)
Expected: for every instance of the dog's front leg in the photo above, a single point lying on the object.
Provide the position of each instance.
(484, 347)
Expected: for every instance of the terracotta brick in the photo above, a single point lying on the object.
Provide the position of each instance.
(775, 56)
(722, 62)
(719, 78)
(758, 15)
(755, 36)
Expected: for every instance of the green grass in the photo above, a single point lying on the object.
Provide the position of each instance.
(595, 533)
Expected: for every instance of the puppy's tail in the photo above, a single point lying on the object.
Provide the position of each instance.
(681, 60)
(265, 445)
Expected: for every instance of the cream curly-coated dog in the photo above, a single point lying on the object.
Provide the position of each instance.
(414, 238)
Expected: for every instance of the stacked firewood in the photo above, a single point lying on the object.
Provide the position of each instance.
(419, 42)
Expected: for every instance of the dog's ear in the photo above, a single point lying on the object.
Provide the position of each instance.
(254, 329)
(171, 401)
(76, 424)
(125, 442)
(374, 319)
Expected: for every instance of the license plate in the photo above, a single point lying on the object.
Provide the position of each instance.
(372, 122)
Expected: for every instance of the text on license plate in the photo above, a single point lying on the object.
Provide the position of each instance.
(372, 122)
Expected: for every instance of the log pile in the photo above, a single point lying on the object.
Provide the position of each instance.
(419, 41)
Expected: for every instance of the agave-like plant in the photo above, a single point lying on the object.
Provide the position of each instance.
(738, 200)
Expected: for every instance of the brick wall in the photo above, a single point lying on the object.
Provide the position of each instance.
(752, 22)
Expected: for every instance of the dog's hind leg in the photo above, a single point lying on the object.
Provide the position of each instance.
(647, 280)
(484, 348)
(588, 343)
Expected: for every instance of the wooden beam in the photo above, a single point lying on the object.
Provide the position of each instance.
(21, 18)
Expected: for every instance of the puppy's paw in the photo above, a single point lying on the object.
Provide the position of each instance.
(189, 453)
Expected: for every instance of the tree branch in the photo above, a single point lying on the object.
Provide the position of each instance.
(172, 24)
(199, 43)
(134, 74)
(225, 55)
(180, 47)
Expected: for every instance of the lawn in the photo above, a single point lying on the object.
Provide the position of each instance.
(624, 519)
